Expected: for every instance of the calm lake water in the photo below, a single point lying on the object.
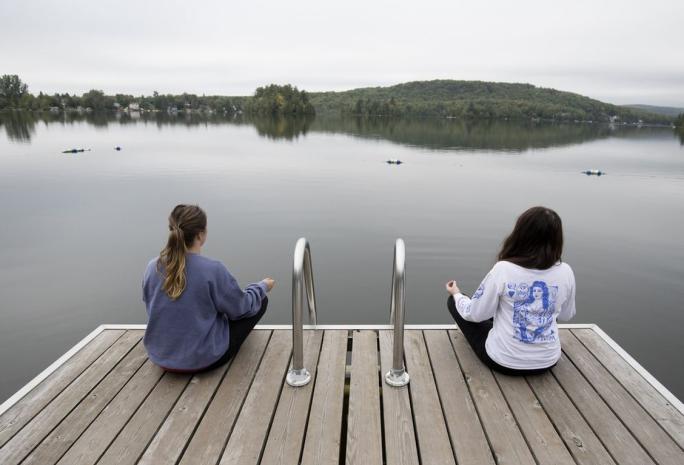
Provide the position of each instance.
(78, 229)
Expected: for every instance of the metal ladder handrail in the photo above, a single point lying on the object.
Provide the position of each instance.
(302, 277)
(397, 375)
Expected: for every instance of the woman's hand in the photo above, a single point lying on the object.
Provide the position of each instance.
(452, 287)
(270, 283)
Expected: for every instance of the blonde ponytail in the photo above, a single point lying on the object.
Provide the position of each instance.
(185, 223)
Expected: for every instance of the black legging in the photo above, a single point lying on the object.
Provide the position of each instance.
(239, 330)
(476, 335)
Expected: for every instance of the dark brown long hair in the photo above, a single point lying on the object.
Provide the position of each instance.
(185, 223)
(536, 240)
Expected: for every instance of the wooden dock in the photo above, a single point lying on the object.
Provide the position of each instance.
(105, 403)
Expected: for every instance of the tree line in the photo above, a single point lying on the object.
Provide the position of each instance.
(468, 100)
(270, 100)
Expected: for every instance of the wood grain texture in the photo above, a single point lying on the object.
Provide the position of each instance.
(17, 448)
(324, 429)
(505, 438)
(100, 434)
(467, 436)
(364, 435)
(669, 418)
(284, 444)
(251, 429)
(400, 437)
(548, 448)
(207, 443)
(32, 403)
(431, 430)
(131, 442)
(616, 438)
(580, 439)
(173, 435)
(65, 434)
(648, 432)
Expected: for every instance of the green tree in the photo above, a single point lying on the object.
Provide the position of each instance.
(11, 91)
(97, 100)
(280, 100)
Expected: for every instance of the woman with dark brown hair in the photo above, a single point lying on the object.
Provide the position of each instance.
(198, 316)
(510, 321)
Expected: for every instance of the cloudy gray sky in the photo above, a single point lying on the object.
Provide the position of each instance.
(617, 51)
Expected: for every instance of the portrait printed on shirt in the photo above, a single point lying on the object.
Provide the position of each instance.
(533, 308)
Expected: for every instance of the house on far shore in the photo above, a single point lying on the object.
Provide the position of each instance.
(117, 106)
(133, 106)
(614, 119)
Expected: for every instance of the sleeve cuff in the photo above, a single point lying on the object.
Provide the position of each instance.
(263, 286)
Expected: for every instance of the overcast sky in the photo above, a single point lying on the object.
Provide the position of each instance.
(617, 51)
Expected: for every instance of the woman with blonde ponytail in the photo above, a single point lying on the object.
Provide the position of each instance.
(198, 316)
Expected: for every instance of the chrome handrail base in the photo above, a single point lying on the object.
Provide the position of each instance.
(297, 378)
(397, 378)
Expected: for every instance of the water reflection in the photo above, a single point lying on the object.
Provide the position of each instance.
(436, 134)
(467, 135)
(19, 126)
(282, 128)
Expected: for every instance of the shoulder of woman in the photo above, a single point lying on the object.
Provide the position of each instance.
(502, 265)
(217, 266)
(151, 265)
(567, 268)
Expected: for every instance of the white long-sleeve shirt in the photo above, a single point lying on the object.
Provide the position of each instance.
(525, 304)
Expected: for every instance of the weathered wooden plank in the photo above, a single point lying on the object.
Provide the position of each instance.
(578, 436)
(400, 437)
(100, 434)
(542, 438)
(324, 429)
(467, 436)
(650, 399)
(249, 435)
(505, 438)
(207, 443)
(17, 448)
(431, 430)
(616, 438)
(651, 436)
(65, 434)
(364, 436)
(284, 445)
(138, 432)
(173, 435)
(32, 403)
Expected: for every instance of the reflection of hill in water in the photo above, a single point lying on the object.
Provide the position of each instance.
(450, 134)
(438, 134)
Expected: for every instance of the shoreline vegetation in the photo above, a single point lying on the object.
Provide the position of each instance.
(450, 99)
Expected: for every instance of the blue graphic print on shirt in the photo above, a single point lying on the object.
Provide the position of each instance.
(533, 309)
(479, 292)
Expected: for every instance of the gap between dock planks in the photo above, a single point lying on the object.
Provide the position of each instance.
(364, 433)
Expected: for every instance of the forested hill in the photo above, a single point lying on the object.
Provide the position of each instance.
(477, 100)
(667, 111)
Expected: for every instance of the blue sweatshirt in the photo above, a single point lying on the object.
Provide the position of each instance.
(192, 331)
